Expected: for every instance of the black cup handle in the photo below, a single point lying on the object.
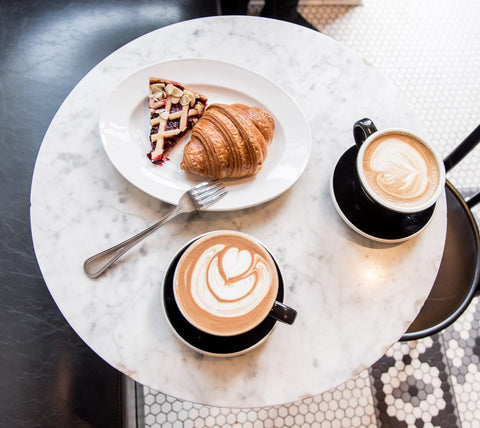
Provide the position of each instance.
(362, 129)
(283, 313)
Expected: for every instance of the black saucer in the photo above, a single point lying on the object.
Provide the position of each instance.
(366, 216)
(208, 343)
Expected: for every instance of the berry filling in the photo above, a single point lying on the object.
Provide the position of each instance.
(174, 109)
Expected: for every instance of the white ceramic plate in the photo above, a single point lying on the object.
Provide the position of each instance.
(124, 129)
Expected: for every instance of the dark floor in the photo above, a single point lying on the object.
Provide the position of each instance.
(49, 377)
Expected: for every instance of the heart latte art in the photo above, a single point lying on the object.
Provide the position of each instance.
(225, 283)
(401, 170)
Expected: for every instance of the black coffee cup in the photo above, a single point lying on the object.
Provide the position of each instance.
(195, 335)
(386, 186)
(407, 166)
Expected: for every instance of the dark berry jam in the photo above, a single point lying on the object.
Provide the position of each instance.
(169, 143)
(175, 108)
(173, 124)
(192, 120)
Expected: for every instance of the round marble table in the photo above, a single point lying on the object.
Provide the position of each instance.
(355, 297)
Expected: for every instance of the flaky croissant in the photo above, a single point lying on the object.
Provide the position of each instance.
(229, 141)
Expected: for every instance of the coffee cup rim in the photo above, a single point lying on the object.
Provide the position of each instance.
(205, 343)
(187, 247)
(405, 210)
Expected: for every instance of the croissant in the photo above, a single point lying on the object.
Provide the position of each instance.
(229, 141)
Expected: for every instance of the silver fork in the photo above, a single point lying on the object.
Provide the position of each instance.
(196, 198)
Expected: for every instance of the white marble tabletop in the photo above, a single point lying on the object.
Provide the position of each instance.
(355, 298)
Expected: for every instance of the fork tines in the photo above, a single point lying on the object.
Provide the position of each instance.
(208, 192)
(204, 184)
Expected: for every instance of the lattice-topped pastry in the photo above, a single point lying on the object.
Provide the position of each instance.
(174, 109)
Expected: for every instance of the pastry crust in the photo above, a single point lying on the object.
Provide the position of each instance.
(229, 141)
(174, 109)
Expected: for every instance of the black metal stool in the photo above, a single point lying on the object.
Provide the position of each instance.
(458, 278)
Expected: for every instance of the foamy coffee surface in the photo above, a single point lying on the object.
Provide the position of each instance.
(401, 170)
(225, 283)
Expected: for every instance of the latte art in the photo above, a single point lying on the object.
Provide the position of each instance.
(225, 283)
(401, 170)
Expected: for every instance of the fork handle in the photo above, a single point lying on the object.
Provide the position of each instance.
(94, 266)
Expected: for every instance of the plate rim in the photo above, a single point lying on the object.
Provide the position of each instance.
(220, 206)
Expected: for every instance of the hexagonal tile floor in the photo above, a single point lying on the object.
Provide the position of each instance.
(430, 50)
